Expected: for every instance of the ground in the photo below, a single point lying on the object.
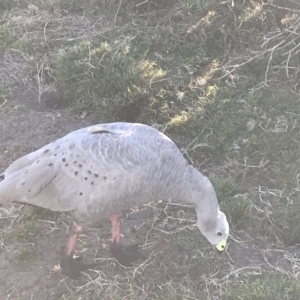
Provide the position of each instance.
(221, 78)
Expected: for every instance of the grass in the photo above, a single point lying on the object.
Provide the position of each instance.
(5, 94)
(223, 82)
(175, 292)
(23, 231)
(187, 238)
(266, 287)
(6, 4)
(107, 71)
(28, 225)
(7, 35)
(24, 254)
(32, 213)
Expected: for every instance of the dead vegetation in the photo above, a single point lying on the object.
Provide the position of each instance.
(221, 79)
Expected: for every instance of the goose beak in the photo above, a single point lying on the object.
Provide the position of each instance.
(221, 246)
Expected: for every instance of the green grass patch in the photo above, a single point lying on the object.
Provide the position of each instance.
(10, 39)
(233, 198)
(227, 187)
(188, 238)
(5, 94)
(238, 211)
(172, 291)
(97, 7)
(106, 296)
(23, 231)
(265, 287)
(24, 254)
(287, 222)
(28, 225)
(32, 213)
(111, 78)
(6, 5)
(7, 35)
(284, 220)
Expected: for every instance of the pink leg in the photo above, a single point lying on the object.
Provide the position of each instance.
(77, 229)
(115, 228)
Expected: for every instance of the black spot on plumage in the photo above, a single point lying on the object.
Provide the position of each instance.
(72, 146)
(57, 147)
(26, 172)
(80, 194)
(90, 172)
(55, 154)
(63, 160)
(66, 165)
(23, 183)
(85, 178)
(80, 165)
(96, 175)
(104, 177)
(76, 173)
(37, 161)
(92, 182)
(75, 162)
(50, 165)
(29, 191)
(46, 150)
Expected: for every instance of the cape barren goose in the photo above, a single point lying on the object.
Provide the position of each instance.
(101, 170)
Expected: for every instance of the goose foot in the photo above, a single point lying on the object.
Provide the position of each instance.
(73, 267)
(127, 255)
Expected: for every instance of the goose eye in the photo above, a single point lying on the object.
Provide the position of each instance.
(219, 233)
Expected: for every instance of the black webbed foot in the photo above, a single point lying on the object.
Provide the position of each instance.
(74, 267)
(126, 256)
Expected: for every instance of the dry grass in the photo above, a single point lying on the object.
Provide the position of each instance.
(223, 81)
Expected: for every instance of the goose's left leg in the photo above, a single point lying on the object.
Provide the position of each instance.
(69, 265)
(126, 256)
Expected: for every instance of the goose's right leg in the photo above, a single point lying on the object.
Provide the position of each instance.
(69, 265)
(125, 256)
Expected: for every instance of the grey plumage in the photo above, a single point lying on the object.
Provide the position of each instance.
(104, 169)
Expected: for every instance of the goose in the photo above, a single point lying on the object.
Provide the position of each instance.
(101, 170)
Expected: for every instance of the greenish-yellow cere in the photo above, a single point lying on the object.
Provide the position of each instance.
(221, 245)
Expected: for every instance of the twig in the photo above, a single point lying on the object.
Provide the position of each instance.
(116, 15)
